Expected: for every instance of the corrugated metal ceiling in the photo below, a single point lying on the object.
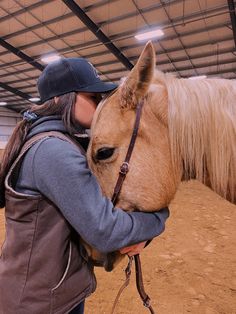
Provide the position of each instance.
(198, 39)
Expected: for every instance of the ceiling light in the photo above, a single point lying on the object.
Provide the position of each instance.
(34, 99)
(150, 34)
(50, 58)
(3, 103)
(199, 77)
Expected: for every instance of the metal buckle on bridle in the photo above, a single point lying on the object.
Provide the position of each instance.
(129, 266)
(124, 168)
(147, 302)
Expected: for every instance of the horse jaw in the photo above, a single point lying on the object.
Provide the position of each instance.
(108, 261)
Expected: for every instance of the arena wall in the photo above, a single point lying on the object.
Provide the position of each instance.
(8, 121)
(1, 153)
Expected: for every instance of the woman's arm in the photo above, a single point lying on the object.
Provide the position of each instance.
(60, 172)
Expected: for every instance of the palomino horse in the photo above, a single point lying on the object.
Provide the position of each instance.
(187, 130)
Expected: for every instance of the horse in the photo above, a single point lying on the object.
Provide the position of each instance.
(187, 131)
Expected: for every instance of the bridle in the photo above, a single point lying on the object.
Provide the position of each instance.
(125, 165)
(122, 175)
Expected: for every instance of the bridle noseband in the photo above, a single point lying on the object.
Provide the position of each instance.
(122, 175)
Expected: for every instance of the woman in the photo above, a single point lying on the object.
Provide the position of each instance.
(52, 200)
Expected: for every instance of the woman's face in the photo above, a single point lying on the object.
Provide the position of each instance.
(85, 106)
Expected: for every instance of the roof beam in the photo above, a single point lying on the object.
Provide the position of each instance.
(59, 18)
(127, 34)
(21, 11)
(86, 9)
(177, 21)
(14, 91)
(18, 100)
(171, 50)
(183, 68)
(215, 73)
(177, 59)
(21, 54)
(98, 33)
(16, 107)
(233, 18)
(24, 57)
(170, 37)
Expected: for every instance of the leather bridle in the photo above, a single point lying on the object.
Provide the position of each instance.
(125, 166)
(122, 175)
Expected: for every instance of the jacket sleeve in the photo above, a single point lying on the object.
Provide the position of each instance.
(60, 172)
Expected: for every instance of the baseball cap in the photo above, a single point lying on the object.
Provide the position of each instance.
(70, 75)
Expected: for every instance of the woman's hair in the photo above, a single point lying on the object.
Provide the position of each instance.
(63, 106)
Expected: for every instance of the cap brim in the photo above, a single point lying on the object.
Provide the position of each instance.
(99, 87)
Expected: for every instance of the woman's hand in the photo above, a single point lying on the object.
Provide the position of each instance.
(133, 249)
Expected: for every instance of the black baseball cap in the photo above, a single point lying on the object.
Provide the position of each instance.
(70, 75)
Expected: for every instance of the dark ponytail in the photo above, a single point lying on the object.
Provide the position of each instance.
(63, 106)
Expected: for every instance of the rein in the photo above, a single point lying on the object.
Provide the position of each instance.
(122, 175)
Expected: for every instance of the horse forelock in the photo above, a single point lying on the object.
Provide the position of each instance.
(100, 107)
(202, 129)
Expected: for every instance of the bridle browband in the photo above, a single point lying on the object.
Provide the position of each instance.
(122, 175)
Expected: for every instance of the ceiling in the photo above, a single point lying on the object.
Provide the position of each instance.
(199, 38)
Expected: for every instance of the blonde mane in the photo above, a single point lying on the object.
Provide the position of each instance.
(202, 128)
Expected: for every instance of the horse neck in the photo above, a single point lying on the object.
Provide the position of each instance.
(202, 132)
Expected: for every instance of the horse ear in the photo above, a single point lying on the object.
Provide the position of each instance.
(136, 85)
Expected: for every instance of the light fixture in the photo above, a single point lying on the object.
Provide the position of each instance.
(50, 58)
(199, 77)
(34, 99)
(150, 34)
(3, 103)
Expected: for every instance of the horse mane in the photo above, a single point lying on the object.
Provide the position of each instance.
(202, 130)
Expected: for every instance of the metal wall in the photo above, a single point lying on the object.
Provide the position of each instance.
(8, 121)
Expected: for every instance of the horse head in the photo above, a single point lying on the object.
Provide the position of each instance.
(151, 182)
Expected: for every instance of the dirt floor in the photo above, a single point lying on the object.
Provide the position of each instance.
(191, 268)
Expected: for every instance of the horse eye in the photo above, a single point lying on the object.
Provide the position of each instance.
(104, 153)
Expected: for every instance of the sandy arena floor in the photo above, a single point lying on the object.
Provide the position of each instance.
(191, 268)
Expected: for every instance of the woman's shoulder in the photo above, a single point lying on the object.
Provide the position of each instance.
(54, 158)
(54, 148)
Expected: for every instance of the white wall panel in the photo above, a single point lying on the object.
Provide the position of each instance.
(8, 121)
